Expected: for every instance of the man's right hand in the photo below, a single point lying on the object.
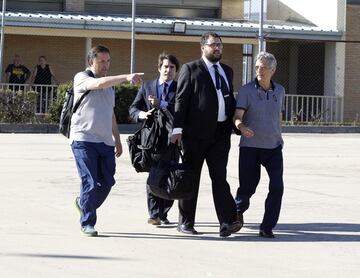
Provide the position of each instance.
(246, 132)
(155, 102)
(145, 114)
(150, 112)
(176, 138)
(135, 78)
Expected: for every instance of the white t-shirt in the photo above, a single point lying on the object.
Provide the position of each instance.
(92, 121)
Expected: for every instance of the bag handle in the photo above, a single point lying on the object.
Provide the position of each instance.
(171, 151)
(77, 104)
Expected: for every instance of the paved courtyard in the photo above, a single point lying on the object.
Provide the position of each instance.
(318, 232)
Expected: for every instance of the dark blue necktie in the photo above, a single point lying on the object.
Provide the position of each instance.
(217, 77)
(221, 85)
(163, 94)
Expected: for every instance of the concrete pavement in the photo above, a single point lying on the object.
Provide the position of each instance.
(318, 232)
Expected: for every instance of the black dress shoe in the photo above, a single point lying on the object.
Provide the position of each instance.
(240, 218)
(164, 221)
(186, 230)
(228, 229)
(267, 234)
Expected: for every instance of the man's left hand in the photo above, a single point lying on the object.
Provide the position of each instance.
(118, 149)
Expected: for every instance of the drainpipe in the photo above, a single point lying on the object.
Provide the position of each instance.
(2, 39)
(261, 23)
(133, 14)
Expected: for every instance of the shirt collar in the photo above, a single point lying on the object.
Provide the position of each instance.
(208, 63)
(257, 85)
(160, 82)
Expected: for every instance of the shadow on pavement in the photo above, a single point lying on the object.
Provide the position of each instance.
(57, 256)
(299, 232)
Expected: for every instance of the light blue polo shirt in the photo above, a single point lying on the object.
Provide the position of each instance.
(262, 114)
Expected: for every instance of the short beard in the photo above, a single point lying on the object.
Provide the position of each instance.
(212, 58)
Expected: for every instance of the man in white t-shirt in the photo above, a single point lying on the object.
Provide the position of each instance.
(94, 136)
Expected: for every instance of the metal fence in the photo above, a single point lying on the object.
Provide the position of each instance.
(310, 109)
(299, 109)
(45, 97)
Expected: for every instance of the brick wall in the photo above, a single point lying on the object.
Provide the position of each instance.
(66, 54)
(63, 54)
(147, 52)
(352, 65)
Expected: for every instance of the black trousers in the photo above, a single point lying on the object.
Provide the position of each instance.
(250, 161)
(157, 206)
(215, 152)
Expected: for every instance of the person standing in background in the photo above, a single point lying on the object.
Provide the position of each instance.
(43, 75)
(17, 73)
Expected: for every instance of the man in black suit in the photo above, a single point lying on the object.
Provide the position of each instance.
(204, 108)
(158, 93)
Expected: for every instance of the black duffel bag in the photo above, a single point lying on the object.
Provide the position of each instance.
(170, 179)
(141, 145)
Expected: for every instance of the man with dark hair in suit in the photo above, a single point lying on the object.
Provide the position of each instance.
(204, 108)
(158, 93)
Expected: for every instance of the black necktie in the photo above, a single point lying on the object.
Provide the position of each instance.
(163, 94)
(221, 84)
(217, 77)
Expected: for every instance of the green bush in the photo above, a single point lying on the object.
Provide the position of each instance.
(17, 106)
(56, 107)
(124, 96)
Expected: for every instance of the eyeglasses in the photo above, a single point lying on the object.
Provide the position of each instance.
(262, 68)
(215, 44)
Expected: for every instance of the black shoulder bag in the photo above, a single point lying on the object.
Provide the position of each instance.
(69, 108)
(170, 179)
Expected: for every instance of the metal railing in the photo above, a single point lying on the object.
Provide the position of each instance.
(312, 109)
(46, 94)
(299, 109)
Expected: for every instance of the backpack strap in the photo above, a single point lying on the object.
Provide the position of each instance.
(77, 104)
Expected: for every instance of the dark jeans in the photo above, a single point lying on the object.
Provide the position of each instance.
(96, 167)
(250, 161)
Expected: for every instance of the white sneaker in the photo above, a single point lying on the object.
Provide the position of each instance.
(89, 231)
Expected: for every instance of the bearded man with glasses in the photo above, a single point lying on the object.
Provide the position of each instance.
(204, 108)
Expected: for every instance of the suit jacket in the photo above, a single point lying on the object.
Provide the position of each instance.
(196, 105)
(141, 102)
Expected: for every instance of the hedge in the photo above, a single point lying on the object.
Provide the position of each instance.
(17, 106)
(124, 96)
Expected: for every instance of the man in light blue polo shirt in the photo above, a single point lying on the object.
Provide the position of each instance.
(258, 116)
